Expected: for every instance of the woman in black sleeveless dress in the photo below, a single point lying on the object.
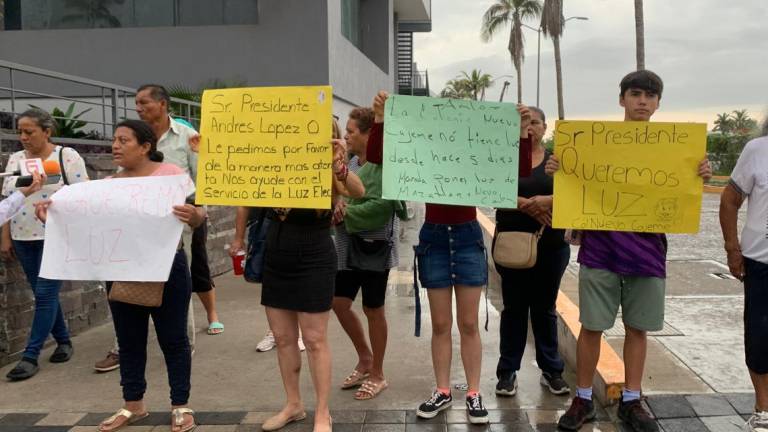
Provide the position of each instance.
(297, 292)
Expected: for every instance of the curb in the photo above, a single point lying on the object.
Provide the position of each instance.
(609, 377)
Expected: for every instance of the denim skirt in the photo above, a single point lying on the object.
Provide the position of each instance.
(449, 255)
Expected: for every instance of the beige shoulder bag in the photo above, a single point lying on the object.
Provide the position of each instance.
(516, 249)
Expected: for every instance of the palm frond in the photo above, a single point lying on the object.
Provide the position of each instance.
(552, 20)
(497, 16)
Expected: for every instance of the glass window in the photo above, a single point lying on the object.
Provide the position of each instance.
(241, 12)
(350, 20)
(201, 12)
(153, 13)
(75, 14)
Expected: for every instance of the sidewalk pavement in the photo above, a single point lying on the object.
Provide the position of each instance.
(234, 388)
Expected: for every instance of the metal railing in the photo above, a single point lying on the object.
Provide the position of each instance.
(114, 101)
(418, 80)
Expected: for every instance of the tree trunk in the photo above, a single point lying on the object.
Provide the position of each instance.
(559, 76)
(639, 34)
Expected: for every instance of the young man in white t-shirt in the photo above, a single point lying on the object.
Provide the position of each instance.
(748, 261)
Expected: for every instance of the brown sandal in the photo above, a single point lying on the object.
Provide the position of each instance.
(369, 390)
(354, 379)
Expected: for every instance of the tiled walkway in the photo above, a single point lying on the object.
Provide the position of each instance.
(343, 421)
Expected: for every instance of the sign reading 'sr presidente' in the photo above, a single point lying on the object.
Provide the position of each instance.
(628, 176)
(266, 147)
(450, 151)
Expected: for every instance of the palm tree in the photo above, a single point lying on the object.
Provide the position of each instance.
(456, 89)
(742, 123)
(515, 11)
(477, 82)
(639, 35)
(723, 123)
(552, 22)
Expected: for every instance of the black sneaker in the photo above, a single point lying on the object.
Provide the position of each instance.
(62, 353)
(476, 412)
(555, 383)
(580, 412)
(24, 369)
(636, 416)
(507, 385)
(432, 406)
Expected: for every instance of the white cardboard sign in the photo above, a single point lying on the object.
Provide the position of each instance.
(119, 229)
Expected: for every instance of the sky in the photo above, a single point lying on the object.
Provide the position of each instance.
(711, 54)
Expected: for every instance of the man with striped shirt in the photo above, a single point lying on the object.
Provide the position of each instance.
(621, 269)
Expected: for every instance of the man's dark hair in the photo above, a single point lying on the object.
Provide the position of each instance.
(157, 92)
(643, 80)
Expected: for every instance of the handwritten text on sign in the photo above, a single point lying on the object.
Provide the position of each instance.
(451, 151)
(116, 229)
(266, 147)
(628, 176)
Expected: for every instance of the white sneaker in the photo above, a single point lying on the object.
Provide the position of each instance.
(301, 344)
(758, 422)
(267, 343)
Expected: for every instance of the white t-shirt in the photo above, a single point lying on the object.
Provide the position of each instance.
(750, 177)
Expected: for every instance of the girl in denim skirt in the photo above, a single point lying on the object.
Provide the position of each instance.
(451, 259)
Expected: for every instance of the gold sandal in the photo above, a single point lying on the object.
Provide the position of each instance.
(178, 420)
(130, 418)
(354, 379)
(369, 390)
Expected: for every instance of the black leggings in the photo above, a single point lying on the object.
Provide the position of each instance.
(132, 327)
(531, 290)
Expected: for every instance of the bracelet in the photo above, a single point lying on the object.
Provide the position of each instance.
(342, 174)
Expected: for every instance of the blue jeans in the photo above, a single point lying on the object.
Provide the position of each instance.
(49, 318)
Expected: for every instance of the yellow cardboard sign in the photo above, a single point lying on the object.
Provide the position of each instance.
(628, 176)
(266, 147)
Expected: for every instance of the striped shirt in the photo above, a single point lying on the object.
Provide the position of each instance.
(388, 232)
(625, 253)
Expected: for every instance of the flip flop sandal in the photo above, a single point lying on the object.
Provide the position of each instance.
(178, 420)
(354, 379)
(369, 390)
(130, 418)
(215, 328)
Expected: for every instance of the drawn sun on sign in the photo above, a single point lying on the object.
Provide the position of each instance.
(667, 209)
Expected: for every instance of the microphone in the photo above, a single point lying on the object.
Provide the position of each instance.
(52, 170)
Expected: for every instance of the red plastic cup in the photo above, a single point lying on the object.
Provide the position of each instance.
(238, 263)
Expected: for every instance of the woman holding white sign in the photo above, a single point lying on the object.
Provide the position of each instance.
(134, 149)
(23, 237)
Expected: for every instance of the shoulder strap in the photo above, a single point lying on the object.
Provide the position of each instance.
(61, 165)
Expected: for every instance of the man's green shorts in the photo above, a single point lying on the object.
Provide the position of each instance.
(601, 292)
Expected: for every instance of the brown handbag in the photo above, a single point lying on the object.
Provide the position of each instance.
(138, 293)
(516, 249)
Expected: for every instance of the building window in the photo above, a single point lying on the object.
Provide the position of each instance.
(350, 21)
(62, 14)
(365, 23)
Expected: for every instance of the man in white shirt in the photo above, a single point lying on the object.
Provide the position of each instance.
(748, 261)
(152, 106)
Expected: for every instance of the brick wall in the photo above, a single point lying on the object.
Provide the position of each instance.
(84, 303)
